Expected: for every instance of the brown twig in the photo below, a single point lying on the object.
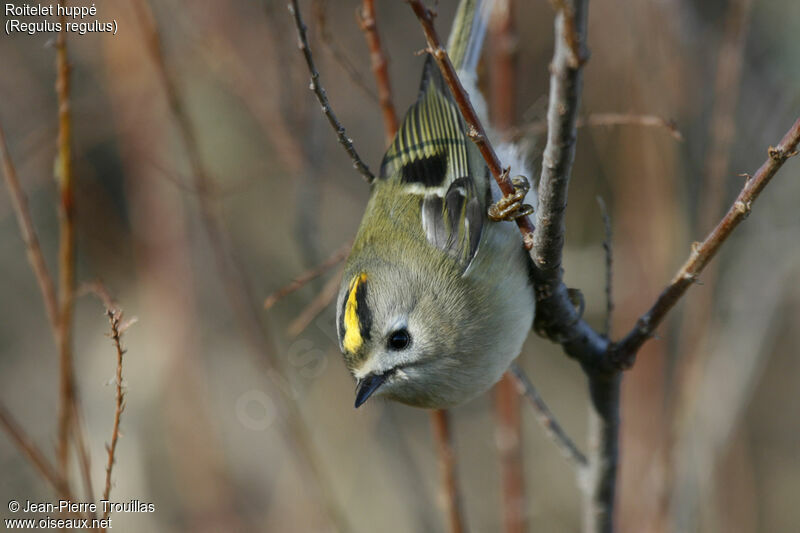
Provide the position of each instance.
(547, 420)
(609, 266)
(117, 329)
(623, 353)
(66, 253)
(29, 237)
(316, 306)
(539, 127)
(84, 457)
(507, 400)
(329, 42)
(319, 92)
(447, 468)
(302, 280)
(32, 452)
(367, 21)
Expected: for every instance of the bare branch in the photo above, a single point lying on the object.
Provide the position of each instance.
(29, 237)
(316, 306)
(502, 64)
(322, 97)
(303, 279)
(328, 40)
(609, 266)
(447, 469)
(66, 252)
(366, 19)
(115, 320)
(84, 456)
(539, 127)
(31, 451)
(547, 419)
(624, 352)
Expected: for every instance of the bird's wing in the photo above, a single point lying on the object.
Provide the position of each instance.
(432, 157)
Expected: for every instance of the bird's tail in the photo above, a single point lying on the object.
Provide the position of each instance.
(467, 34)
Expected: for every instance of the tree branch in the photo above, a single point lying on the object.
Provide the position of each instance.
(66, 252)
(322, 97)
(380, 66)
(32, 452)
(303, 279)
(548, 420)
(447, 468)
(117, 328)
(624, 352)
(39, 266)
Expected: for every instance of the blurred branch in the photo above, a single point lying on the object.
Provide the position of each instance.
(84, 457)
(302, 280)
(322, 97)
(624, 352)
(548, 420)
(66, 252)
(328, 40)
(609, 266)
(722, 129)
(539, 127)
(369, 25)
(507, 400)
(32, 452)
(29, 237)
(447, 468)
(316, 306)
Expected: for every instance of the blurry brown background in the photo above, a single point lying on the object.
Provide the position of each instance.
(711, 414)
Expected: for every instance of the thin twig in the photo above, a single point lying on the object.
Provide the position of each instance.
(609, 266)
(84, 457)
(507, 400)
(623, 353)
(546, 418)
(29, 237)
(447, 468)
(302, 280)
(115, 320)
(66, 253)
(369, 25)
(322, 97)
(328, 40)
(722, 131)
(539, 127)
(31, 451)
(316, 306)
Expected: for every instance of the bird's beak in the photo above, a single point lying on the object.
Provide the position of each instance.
(368, 385)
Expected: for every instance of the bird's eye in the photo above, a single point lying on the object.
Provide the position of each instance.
(399, 339)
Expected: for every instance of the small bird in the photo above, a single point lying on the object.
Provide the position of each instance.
(436, 298)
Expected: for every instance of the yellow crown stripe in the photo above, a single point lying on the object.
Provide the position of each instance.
(352, 337)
